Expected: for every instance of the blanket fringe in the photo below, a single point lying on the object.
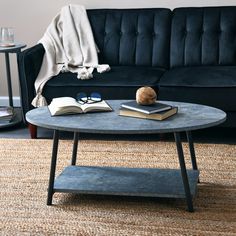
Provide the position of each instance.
(85, 73)
(39, 101)
(103, 68)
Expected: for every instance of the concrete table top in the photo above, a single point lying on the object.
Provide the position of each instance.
(189, 117)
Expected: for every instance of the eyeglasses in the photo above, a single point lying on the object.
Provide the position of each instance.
(83, 98)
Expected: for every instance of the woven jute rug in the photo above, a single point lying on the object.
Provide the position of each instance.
(24, 172)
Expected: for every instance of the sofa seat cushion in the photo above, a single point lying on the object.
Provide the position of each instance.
(121, 82)
(214, 86)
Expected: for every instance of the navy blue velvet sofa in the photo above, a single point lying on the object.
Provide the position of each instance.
(188, 54)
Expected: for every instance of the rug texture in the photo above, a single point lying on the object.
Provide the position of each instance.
(24, 172)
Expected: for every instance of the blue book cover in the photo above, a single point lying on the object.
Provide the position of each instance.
(147, 109)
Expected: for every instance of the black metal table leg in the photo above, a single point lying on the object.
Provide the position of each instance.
(19, 75)
(8, 70)
(53, 167)
(184, 172)
(192, 151)
(75, 147)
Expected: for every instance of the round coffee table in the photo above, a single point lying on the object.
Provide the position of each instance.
(152, 182)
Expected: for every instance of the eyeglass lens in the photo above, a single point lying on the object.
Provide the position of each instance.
(81, 97)
(93, 96)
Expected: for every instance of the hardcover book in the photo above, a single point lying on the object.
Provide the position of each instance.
(154, 116)
(149, 109)
(68, 105)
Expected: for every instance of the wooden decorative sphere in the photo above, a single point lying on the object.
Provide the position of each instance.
(146, 96)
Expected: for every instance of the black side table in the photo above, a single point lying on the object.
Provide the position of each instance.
(17, 111)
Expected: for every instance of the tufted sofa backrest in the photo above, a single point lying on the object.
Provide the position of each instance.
(132, 36)
(203, 36)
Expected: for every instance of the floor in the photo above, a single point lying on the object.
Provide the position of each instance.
(210, 135)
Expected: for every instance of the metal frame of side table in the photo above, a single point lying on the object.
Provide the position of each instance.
(184, 173)
(6, 50)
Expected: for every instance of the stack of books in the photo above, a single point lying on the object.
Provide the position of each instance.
(6, 114)
(157, 111)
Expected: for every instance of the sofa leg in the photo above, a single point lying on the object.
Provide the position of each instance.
(33, 131)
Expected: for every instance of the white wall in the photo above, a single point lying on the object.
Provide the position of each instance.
(30, 18)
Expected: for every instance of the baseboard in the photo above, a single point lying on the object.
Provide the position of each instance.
(4, 101)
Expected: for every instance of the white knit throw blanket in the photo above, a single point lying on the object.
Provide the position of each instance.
(69, 46)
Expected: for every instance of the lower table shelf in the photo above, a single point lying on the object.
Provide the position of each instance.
(147, 182)
(17, 118)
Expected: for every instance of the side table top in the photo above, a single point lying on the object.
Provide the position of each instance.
(14, 48)
(189, 117)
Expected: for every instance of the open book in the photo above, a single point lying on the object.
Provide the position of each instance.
(68, 105)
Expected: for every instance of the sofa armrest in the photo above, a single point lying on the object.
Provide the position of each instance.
(29, 62)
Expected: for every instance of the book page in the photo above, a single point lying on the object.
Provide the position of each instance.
(98, 106)
(65, 102)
